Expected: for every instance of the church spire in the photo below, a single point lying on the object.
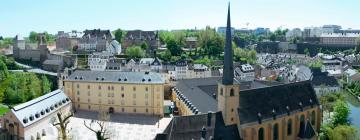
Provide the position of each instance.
(228, 69)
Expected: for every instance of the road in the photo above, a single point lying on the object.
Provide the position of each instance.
(34, 70)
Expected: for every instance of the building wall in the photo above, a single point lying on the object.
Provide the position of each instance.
(251, 131)
(34, 129)
(339, 40)
(122, 97)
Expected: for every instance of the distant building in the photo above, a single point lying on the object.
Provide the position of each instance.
(32, 120)
(24, 51)
(67, 41)
(311, 32)
(116, 92)
(331, 62)
(98, 61)
(222, 30)
(323, 83)
(339, 38)
(191, 42)
(94, 41)
(261, 31)
(328, 29)
(138, 37)
(294, 33)
(245, 72)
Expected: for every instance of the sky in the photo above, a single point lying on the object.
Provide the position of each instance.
(19, 17)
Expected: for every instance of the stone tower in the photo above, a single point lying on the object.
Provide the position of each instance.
(42, 47)
(228, 91)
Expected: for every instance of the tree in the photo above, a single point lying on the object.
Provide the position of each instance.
(357, 47)
(3, 71)
(119, 35)
(341, 113)
(144, 46)
(33, 36)
(100, 129)
(45, 84)
(173, 47)
(61, 123)
(135, 52)
(343, 132)
(166, 55)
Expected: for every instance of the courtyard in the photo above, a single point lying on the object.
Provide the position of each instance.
(119, 126)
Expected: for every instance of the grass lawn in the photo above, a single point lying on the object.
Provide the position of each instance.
(3, 110)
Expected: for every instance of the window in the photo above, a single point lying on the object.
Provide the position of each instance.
(261, 134)
(134, 102)
(302, 123)
(232, 110)
(146, 110)
(146, 103)
(77, 85)
(88, 100)
(78, 99)
(112, 87)
(289, 127)
(88, 86)
(108, 87)
(134, 95)
(78, 92)
(231, 92)
(134, 110)
(232, 119)
(313, 118)
(99, 101)
(276, 132)
(89, 107)
(122, 88)
(146, 96)
(122, 109)
(99, 87)
(134, 88)
(146, 88)
(221, 91)
(122, 95)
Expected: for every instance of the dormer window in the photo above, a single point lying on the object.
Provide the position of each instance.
(37, 115)
(31, 118)
(25, 120)
(42, 112)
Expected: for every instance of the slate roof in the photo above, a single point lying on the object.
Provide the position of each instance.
(34, 110)
(116, 77)
(156, 62)
(190, 127)
(319, 79)
(200, 91)
(275, 100)
(138, 34)
(97, 33)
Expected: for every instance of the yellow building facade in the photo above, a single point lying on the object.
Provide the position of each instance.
(116, 92)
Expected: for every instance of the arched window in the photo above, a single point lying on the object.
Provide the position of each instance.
(313, 118)
(302, 124)
(231, 92)
(289, 127)
(276, 132)
(261, 134)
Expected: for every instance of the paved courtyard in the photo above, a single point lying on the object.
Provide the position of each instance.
(120, 126)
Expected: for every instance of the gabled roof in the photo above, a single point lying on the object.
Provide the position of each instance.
(38, 108)
(156, 62)
(264, 103)
(322, 79)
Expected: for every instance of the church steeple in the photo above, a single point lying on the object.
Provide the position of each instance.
(228, 69)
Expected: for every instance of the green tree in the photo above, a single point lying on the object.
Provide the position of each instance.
(119, 35)
(135, 52)
(343, 132)
(3, 71)
(341, 113)
(33, 36)
(45, 84)
(173, 47)
(307, 52)
(166, 56)
(144, 46)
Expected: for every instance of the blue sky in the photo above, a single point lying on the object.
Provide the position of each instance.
(22, 16)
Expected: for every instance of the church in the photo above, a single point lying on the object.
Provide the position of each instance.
(228, 108)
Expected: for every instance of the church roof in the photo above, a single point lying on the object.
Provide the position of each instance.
(267, 102)
(228, 68)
